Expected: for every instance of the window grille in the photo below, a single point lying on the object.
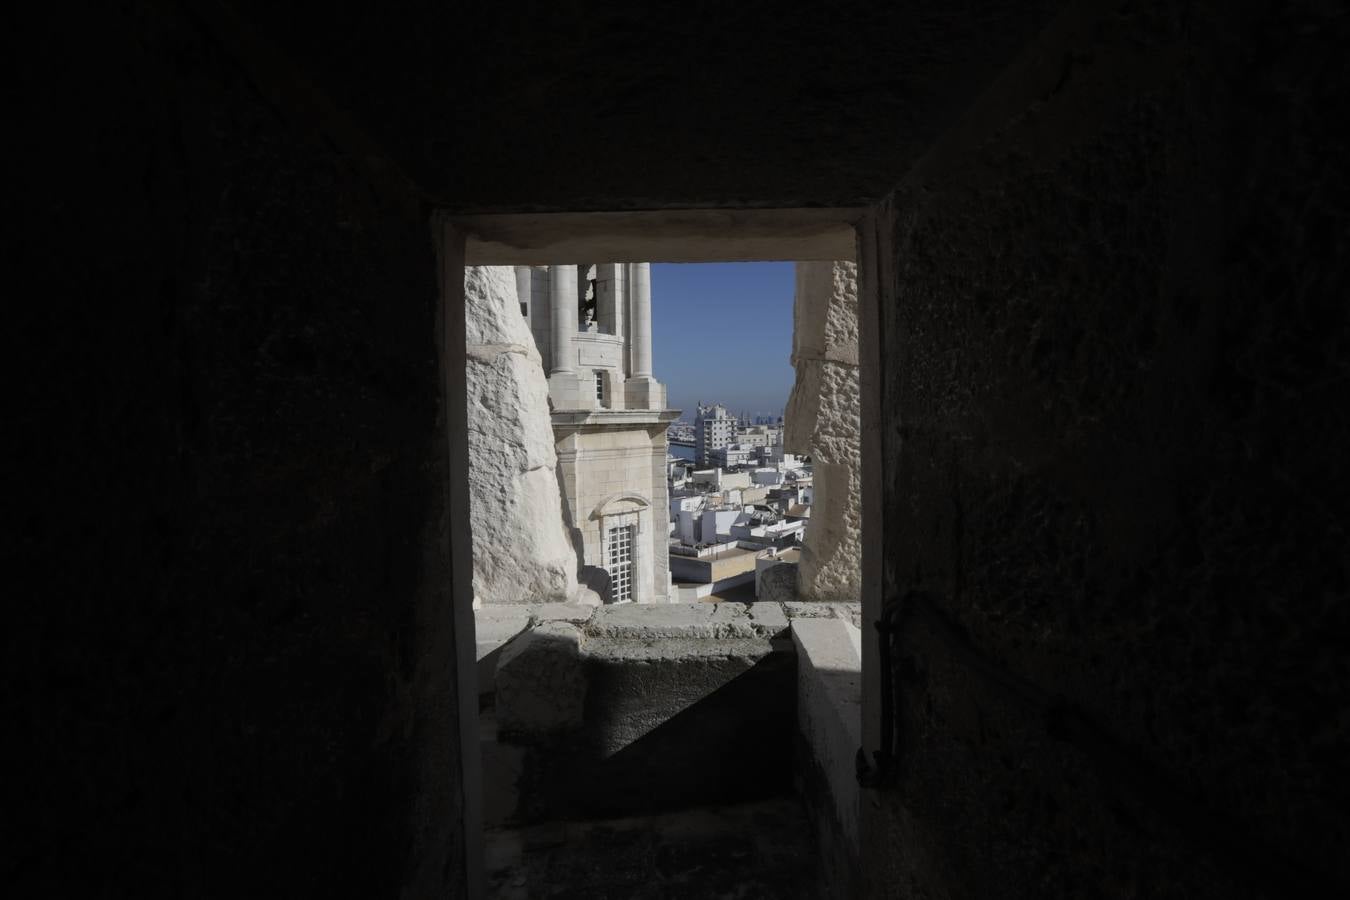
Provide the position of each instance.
(600, 387)
(619, 562)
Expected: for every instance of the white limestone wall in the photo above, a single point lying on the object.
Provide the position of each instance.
(600, 468)
(822, 419)
(521, 550)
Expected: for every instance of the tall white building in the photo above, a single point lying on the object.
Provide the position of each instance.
(592, 325)
(713, 430)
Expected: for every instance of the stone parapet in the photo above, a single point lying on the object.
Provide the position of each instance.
(618, 714)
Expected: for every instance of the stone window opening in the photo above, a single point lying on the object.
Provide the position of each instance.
(629, 531)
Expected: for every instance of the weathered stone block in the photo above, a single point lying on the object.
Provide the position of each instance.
(778, 584)
(822, 420)
(638, 700)
(576, 613)
(541, 686)
(642, 623)
(521, 550)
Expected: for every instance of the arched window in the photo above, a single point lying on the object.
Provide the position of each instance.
(624, 539)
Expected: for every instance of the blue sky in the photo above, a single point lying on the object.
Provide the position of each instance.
(722, 332)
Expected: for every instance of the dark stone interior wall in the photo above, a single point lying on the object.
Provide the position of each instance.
(1116, 376)
(518, 106)
(1116, 368)
(230, 660)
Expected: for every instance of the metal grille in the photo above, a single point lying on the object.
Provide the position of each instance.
(600, 386)
(619, 562)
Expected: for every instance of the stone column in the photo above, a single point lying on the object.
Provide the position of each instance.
(642, 390)
(563, 307)
(640, 336)
(564, 386)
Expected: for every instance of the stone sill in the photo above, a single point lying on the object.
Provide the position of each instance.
(829, 707)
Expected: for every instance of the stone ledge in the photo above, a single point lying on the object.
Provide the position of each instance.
(809, 609)
(829, 710)
(687, 621)
(676, 649)
(496, 625)
(541, 687)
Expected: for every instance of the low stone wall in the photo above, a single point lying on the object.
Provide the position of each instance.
(495, 626)
(640, 709)
(829, 719)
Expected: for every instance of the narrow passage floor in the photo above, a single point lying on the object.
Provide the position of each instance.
(742, 852)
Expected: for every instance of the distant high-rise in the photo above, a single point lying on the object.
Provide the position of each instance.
(713, 430)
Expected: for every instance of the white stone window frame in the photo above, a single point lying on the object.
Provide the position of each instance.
(617, 511)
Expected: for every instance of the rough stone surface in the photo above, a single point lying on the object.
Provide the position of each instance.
(1113, 374)
(522, 552)
(541, 688)
(822, 420)
(849, 612)
(494, 626)
(752, 851)
(661, 685)
(687, 621)
(576, 613)
(778, 583)
(829, 133)
(767, 619)
(235, 671)
(1117, 354)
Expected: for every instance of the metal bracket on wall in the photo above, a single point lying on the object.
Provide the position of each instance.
(881, 770)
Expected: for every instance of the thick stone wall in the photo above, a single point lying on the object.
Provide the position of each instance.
(1115, 339)
(1114, 349)
(831, 104)
(635, 709)
(522, 552)
(230, 668)
(822, 420)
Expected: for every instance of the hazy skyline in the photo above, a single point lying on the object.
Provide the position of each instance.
(722, 333)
